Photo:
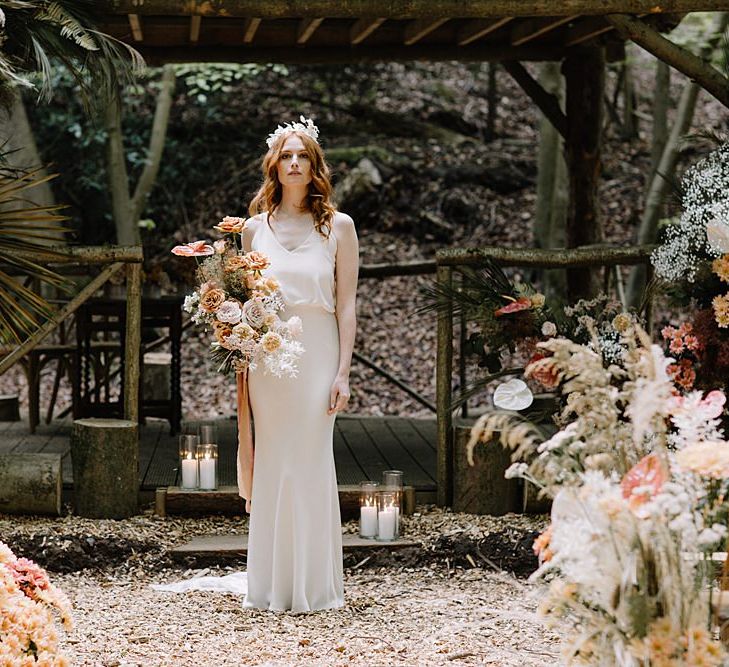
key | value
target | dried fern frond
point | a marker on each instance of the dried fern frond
(54, 13)
(515, 432)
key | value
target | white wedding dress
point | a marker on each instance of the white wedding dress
(295, 536)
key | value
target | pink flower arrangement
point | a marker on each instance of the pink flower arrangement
(194, 249)
(27, 597)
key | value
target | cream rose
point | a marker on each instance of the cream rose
(231, 225)
(212, 299)
(271, 341)
(537, 300)
(229, 312)
(254, 313)
(244, 331)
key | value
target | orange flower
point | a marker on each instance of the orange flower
(222, 331)
(256, 261)
(210, 301)
(194, 249)
(541, 545)
(546, 374)
(231, 225)
(236, 263)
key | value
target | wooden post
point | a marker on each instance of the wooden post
(133, 342)
(584, 71)
(104, 454)
(444, 366)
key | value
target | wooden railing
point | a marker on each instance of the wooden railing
(113, 259)
(452, 260)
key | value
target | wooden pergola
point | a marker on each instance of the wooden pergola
(581, 34)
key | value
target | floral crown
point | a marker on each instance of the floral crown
(306, 125)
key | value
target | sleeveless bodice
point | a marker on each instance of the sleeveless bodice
(306, 273)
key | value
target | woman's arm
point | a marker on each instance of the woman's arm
(347, 270)
(248, 231)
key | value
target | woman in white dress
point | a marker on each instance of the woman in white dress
(295, 538)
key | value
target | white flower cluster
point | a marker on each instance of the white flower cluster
(306, 126)
(705, 203)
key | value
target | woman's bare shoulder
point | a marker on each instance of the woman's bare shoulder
(342, 222)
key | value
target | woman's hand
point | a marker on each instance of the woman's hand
(338, 395)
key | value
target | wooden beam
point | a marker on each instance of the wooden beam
(586, 30)
(249, 29)
(84, 255)
(478, 52)
(531, 29)
(477, 29)
(695, 68)
(71, 307)
(443, 391)
(306, 29)
(195, 22)
(548, 103)
(416, 30)
(547, 258)
(402, 9)
(133, 342)
(363, 28)
(136, 26)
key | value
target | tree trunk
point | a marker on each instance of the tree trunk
(128, 208)
(584, 71)
(105, 455)
(629, 126)
(551, 211)
(30, 484)
(661, 102)
(667, 167)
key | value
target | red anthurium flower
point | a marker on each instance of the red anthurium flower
(522, 303)
(194, 249)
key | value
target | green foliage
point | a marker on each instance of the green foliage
(65, 31)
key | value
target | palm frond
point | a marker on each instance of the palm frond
(25, 229)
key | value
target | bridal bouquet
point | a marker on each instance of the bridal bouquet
(241, 305)
(27, 632)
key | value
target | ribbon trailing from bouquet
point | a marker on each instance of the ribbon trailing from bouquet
(244, 459)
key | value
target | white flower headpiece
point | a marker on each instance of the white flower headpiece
(306, 125)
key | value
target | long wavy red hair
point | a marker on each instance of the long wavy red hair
(319, 195)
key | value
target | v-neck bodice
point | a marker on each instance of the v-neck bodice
(306, 273)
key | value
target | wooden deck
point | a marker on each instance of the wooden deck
(363, 448)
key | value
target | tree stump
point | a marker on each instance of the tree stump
(482, 488)
(105, 455)
(30, 484)
(9, 408)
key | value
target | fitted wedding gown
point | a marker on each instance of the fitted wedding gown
(295, 536)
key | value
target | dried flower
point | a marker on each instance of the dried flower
(622, 322)
(212, 299)
(537, 300)
(709, 459)
(721, 310)
(549, 329)
(720, 266)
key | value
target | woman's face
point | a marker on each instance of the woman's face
(294, 163)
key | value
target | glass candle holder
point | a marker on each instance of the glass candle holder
(368, 509)
(207, 459)
(392, 481)
(188, 462)
(208, 434)
(387, 516)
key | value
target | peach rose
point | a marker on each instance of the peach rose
(212, 299)
(256, 261)
(222, 332)
(231, 225)
(236, 263)
(244, 331)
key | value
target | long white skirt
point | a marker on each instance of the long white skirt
(295, 533)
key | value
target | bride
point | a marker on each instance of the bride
(295, 537)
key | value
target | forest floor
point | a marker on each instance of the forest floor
(460, 597)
